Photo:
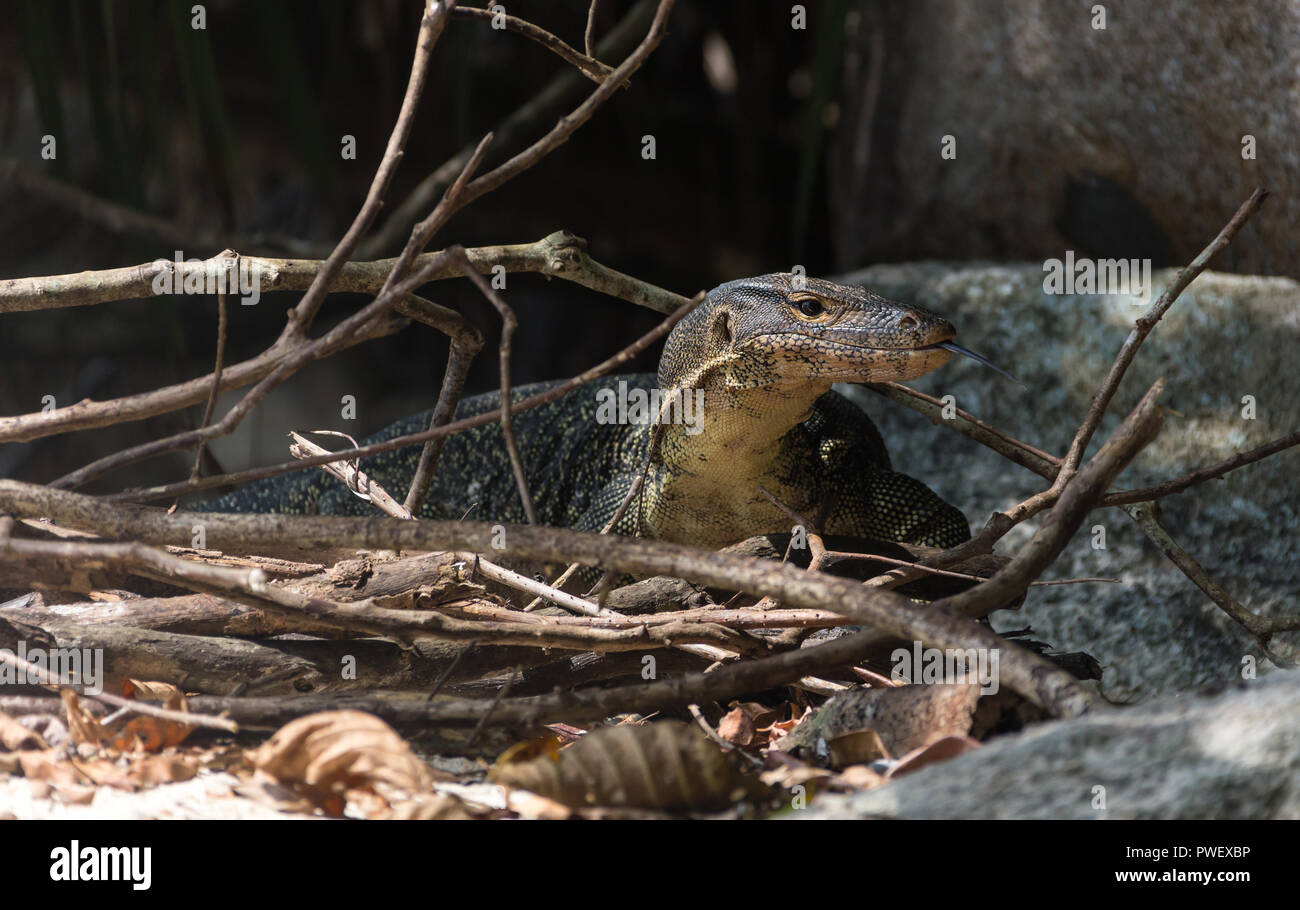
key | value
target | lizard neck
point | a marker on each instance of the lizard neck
(737, 445)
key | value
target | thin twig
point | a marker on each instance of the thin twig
(1200, 475)
(586, 64)
(589, 34)
(508, 325)
(1263, 628)
(216, 381)
(431, 27)
(49, 680)
(488, 417)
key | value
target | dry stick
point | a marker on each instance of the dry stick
(380, 498)
(216, 381)
(591, 68)
(1022, 453)
(741, 618)
(567, 125)
(92, 414)
(730, 681)
(356, 480)
(530, 118)
(557, 255)
(1000, 523)
(637, 483)
(351, 474)
(1034, 677)
(461, 352)
(1141, 329)
(1200, 475)
(496, 702)
(508, 325)
(431, 27)
(293, 360)
(460, 355)
(251, 587)
(1263, 628)
(842, 555)
(45, 678)
(301, 316)
(589, 34)
(1080, 496)
(467, 423)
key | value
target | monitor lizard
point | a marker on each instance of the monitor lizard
(764, 353)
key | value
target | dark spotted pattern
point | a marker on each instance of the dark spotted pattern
(765, 353)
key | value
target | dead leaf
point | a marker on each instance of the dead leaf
(164, 769)
(14, 736)
(84, 726)
(938, 751)
(737, 727)
(667, 765)
(323, 755)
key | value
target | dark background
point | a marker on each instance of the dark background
(791, 147)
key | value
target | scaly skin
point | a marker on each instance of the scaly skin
(765, 353)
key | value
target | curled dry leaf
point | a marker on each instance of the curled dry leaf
(152, 734)
(737, 727)
(333, 751)
(937, 751)
(667, 765)
(14, 736)
(84, 726)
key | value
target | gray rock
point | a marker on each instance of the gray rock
(1125, 140)
(1227, 337)
(1234, 755)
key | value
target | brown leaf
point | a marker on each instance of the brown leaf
(667, 765)
(737, 727)
(164, 769)
(14, 736)
(155, 733)
(140, 690)
(937, 751)
(84, 726)
(49, 766)
(327, 753)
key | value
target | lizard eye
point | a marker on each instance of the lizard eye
(811, 307)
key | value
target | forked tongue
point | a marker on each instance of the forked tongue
(958, 349)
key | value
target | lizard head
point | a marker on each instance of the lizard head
(783, 330)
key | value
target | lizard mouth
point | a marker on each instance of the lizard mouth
(958, 349)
